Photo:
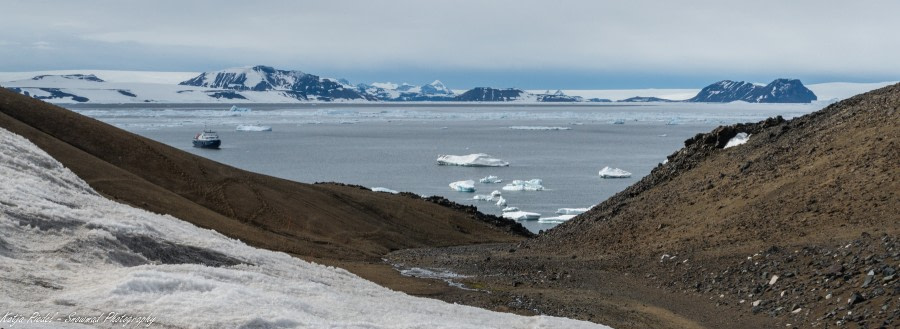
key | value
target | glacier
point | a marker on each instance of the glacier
(471, 160)
(65, 248)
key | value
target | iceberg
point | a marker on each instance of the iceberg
(510, 209)
(471, 160)
(557, 219)
(253, 128)
(463, 186)
(529, 185)
(538, 128)
(738, 139)
(490, 180)
(608, 172)
(501, 202)
(234, 108)
(483, 197)
(495, 194)
(385, 190)
(571, 211)
(521, 215)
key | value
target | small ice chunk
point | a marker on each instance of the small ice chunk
(234, 108)
(384, 189)
(510, 209)
(521, 215)
(557, 219)
(483, 197)
(619, 122)
(521, 185)
(471, 160)
(253, 128)
(490, 180)
(495, 194)
(608, 172)
(571, 211)
(463, 186)
(738, 139)
(501, 202)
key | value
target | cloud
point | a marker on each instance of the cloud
(640, 37)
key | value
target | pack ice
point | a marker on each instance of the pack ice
(471, 160)
(608, 172)
(64, 248)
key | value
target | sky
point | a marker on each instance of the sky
(526, 44)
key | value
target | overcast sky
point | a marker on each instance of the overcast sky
(525, 44)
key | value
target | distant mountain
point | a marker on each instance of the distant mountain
(386, 91)
(599, 100)
(85, 77)
(558, 96)
(297, 84)
(640, 99)
(778, 91)
(487, 94)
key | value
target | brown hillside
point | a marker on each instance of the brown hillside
(800, 226)
(327, 221)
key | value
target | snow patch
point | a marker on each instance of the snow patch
(738, 139)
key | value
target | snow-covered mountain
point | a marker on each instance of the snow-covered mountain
(778, 91)
(297, 84)
(67, 250)
(558, 96)
(387, 91)
(487, 94)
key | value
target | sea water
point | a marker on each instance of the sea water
(396, 145)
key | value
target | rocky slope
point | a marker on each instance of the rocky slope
(799, 226)
(778, 91)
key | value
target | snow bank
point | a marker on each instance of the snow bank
(471, 160)
(253, 128)
(463, 186)
(571, 211)
(521, 215)
(608, 172)
(738, 139)
(522, 185)
(490, 180)
(64, 248)
(385, 190)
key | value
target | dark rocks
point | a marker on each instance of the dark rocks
(778, 91)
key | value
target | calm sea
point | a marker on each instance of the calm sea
(395, 146)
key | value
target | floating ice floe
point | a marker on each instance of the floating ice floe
(619, 122)
(483, 197)
(522, 185)
(471, 160)
(463, 186)
(571, 211)
(557, 219)
(234, 108)
(490, 180)
(538, 128)
(510, 209)
(384, 189)
(521, 215)
(608, 172)
(501, 202)
(253, 128)
(495, 194)
(738, 139)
